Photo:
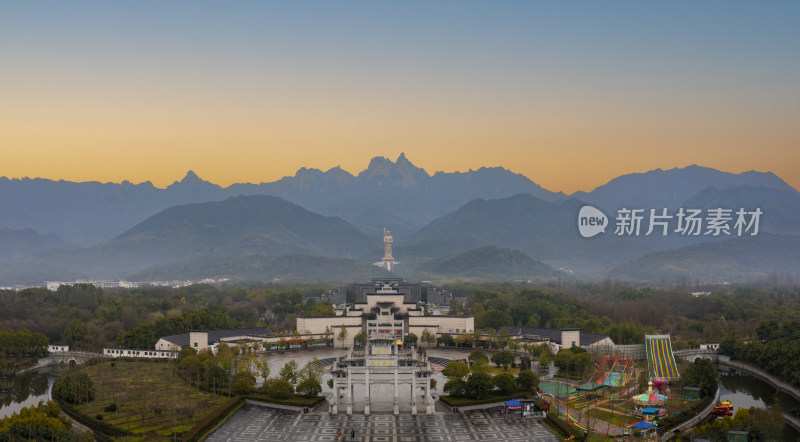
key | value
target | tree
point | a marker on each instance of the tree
(263, 369)
(479, 384)
(455, 387)
(505, 383)
(75, 334)
(504, 359)
(456, 370)
(477, 356)
(476, 337)
(289, 372)
(514, 344)
(243, 382)
(75, 387)
(428, 337)
(342, 335)
(528, 380)
(445, 340)
(545, 357)
(327, 335)
(322, 309)
(502, 338)
(186, 351)
(215, 377)
(313, 370)
(278, 388)
(360, 338)
(411, 339)
(701, 374)
(309, 388)
(497, 319)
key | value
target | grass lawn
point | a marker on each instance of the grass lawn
(152, 401)
(494, 371)
(619, 416)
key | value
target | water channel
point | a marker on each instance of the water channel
(25, 390)
(745, 391)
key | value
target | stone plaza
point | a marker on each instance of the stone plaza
(257, 423)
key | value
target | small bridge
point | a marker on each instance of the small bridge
(695, 354)
(63, 359)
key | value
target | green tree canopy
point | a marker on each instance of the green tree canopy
(504, 359)
(289, 372)
(528, 380)
(456, 370)
(479, 384)
(505, 383)
(701, 374)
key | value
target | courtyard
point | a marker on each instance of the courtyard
(254, 422)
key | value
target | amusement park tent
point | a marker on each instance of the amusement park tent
(642, 425)
(650, 410)
(513, 404)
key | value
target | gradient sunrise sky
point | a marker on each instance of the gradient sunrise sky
(569, 93)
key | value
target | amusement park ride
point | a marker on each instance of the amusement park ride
(611, 402)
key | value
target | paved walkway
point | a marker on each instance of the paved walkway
(255, 423)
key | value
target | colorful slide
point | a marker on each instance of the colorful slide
(613, 380)
(660, 360)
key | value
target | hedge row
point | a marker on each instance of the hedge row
(457, 401)
(102, 431)
(294, 401)
(566, 429)
(212, 419)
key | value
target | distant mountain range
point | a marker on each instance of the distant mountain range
(490, 223)
(731, 260)
(488, 262)
(395, 194)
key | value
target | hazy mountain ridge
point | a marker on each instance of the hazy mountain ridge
(395, 194)
(15, 244)
(252, 268)
(733, 260)
(670, 188)
(488, 262)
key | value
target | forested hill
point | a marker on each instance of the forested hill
(488, 262)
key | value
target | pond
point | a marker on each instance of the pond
(25, 390)
(745, 391)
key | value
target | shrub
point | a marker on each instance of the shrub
(528, 379)
(278, 388)
(505, 383)
(99, 417)
(455, 387)
(309, 388)
(110, 408)
(243, 382)
(74, 387)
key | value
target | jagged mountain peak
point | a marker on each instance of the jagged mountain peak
(191, 177)
(382, 171)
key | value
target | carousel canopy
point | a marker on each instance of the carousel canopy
(649, 399)
(642, 425)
